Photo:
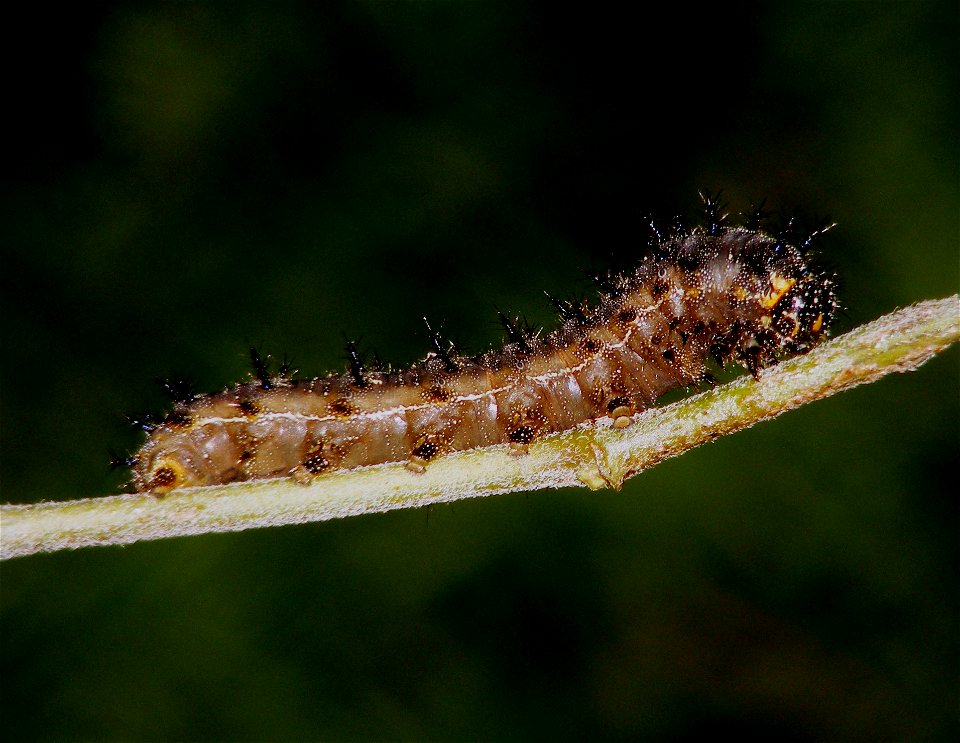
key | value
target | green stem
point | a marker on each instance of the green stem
(594, 455)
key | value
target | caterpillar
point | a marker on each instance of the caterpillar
(731, 293)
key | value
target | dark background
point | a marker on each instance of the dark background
(182, 180)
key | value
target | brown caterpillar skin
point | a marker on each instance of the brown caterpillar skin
(730, 293)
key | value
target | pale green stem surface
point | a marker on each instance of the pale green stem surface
(595, 455)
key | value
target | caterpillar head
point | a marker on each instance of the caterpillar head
(799, 310)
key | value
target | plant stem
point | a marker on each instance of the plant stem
(595, 455)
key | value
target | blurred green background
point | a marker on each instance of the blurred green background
(184, 180)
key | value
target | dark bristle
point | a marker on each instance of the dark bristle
(606, 282)
(822, 225)
(800, 230)
(260, 369)
(667, 227)
(677, 228)
(516, 333)
(177, 389)
(757, 216)
(713, 213)
(656, 231)
(177, 417)
(665, 234)
(119, 461)
(560, 306)
(656, 239)
(286, 370)
(444, 350)
(785, 233)
(146, 422)
(357, 370)
(569, 310)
